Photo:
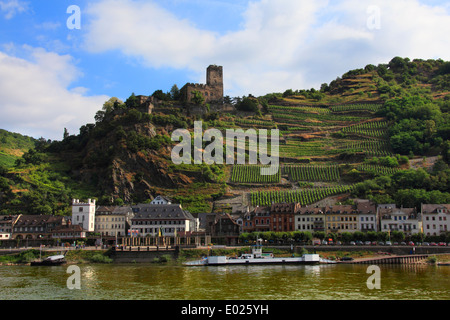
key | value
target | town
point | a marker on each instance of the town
(161, 222)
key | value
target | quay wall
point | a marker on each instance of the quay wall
(395, 250)
(143, 255)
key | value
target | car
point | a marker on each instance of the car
(367, 243)
(352, 243)
(403, 243)
(388, 243)
(442, 244)
(433, 244)
(359, 243)
(395, 243)
(410, 243)
(425, 243)
(324, 242)
(381, 243)
(374, 243)
(339, 243)
(346, 259)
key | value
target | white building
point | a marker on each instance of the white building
(113, 221)
(83, 214)
(367, 216)
(310, 219)
(164, 219)
(406, 220)
(435, 219)
(161, 200)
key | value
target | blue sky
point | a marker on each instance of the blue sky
(52, 77)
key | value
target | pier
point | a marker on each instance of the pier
(407, 259)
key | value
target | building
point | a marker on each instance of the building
(6, 226)
(34, 227)
(213, 89)
(282, 216)
(225, 229)
(257, 220)
(341, 218)
(69, 232)
(113, 221)
(161, 200)
(367, 216)
(310, 219)
(406, 220)
(435, 219)
(83, 214)
(162, 219)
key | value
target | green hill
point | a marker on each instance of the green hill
(355, 135)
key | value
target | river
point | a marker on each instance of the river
(174, 282)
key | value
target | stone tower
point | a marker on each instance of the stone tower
(214, 80)
(212, 90)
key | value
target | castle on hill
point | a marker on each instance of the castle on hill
(212, 91)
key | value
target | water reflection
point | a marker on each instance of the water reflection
(149, 281)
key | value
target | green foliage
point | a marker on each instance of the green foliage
(197, 97)
(248, 104)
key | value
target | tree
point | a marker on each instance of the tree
(66, 134)
(197, 97)
(175, 92)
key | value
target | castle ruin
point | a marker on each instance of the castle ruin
(212, 91)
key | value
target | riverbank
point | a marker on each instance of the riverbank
(83, 256)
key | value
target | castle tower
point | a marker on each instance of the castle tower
(83, 214)
(214, 79)
(212, 90)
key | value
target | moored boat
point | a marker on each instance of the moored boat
(257, 257)
(54, 260)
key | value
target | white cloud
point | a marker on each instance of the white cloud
(282, 44)
(36, 99)
(11, 7)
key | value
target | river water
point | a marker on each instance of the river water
(168, 282)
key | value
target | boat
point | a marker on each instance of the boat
(257, 257)
(54, 260)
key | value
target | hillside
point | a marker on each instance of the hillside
(355, 136)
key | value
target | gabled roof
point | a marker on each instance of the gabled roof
(161, 211)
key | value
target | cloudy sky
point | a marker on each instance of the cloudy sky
(60, 60)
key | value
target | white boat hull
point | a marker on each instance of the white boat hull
(223, 260)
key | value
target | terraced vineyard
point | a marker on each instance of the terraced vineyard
(310, 133)
(252, 174)
(302, 196)
(376, 169)
(373, 129)
(312, 173)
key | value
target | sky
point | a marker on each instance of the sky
(60, 60)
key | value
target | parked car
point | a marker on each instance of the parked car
(374, 243)
(388, 243)
(352, 243)
(367, 243)
(381, 243)
(433, 244)
(346, 259)
(425, 243)
(359, 243)
(403, 243)
(395, 244)
(324, 242)
(442, 244)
